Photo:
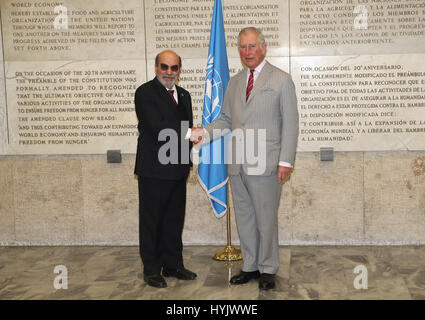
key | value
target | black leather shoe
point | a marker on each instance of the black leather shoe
(267, 281)
(155, 280)
(244, 277)
(182, 274)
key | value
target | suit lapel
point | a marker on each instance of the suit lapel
(180, 97)
(165, 96)
(261, 81)
(182, 102)
(242, 86)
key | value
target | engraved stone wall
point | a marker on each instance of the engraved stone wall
(69, 70)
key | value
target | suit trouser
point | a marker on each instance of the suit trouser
(256, 201)
(162, 205)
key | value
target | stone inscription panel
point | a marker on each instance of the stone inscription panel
(73, 107)
(363, 92)
(361, 103)
(346, 27)
(185, 25)
(72, 29)
(3, 109)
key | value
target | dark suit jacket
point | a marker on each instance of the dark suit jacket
(157, 111)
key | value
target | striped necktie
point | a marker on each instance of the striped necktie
(250, 84)
(171, 92)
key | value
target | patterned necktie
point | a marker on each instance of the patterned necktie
(250, 84)
(171, 92)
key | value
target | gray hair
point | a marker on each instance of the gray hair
(256, 31)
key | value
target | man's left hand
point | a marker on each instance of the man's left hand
(283, 173)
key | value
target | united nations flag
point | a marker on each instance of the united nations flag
(212, 170)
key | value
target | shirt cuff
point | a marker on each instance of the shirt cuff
(285, 164)
(189, 132)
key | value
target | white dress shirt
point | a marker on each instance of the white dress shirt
(256, 72)
(174, 93)
(176, 97)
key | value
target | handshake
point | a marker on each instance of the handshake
(197, 134)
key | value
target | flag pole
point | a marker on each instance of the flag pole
(213, 178)
(229, 253)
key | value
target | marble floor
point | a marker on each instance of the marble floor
(305, 272)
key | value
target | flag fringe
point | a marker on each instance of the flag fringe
(211, 197)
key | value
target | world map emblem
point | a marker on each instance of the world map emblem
(213, 93)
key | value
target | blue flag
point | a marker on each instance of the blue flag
(212, 170)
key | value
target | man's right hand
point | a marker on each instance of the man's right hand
(197, 134)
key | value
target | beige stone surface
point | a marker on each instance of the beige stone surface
(327, 199)
(185, 26)
(359, 198)
(282, 63)
(3, 108)
(48, 200)
(7, 210)
(394, 197)
(356, 27)
(305, 272)
(271, 16)
(97, 29)
(110, 200)
(362, 197)
(201, 226)
(95, 102)
(360, 103)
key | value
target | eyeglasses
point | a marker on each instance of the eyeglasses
(165, 67)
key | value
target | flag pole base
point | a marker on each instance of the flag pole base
(229, 253)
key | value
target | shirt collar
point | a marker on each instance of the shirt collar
(173, 88)
(260, 66)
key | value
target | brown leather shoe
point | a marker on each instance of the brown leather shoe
(267, 281)
(244, 277)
